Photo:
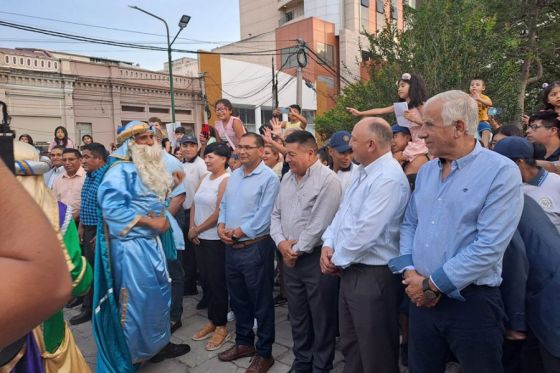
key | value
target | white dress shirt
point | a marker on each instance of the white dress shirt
(365, 229)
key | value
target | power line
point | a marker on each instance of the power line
(197, 41)
(269, 52)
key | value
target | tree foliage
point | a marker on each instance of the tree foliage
(449, 43)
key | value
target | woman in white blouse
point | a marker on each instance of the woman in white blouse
(211, 251)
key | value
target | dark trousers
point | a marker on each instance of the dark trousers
(312, 307)
(88, 251)
(189, 259)
(368, 313)
(250, 282)
(211, 258)
(175, 270)
(528, 356)
(471, 330)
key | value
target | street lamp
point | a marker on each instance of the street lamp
(183, 22)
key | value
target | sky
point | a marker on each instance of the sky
(213, 23)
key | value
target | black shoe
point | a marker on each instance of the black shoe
(280, 300)
(170, 351)
(203, 304)
(83, 317)
(74, 302)
(175, 326)
(187, 293)
(404, 354)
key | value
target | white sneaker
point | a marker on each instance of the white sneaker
(230, 316)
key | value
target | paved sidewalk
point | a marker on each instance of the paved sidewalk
(198, 359)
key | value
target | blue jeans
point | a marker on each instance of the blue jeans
(472, 330)
(250, 282)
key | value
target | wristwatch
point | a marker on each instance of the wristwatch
(429, 293)
(234, 238)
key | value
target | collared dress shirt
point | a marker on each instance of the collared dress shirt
(89, 206)
(456, 230)
(365, 230)
(53, 174)
(305, 208)
(248, 201)
(68, 189)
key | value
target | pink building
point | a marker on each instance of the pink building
(88, 95)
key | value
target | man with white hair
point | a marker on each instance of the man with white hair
(462, 215)
(132, 294)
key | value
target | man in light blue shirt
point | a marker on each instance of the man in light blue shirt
(462, 215)
(358, 244)
(244, 226)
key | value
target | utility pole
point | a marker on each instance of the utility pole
(274, 87)
(302, 62)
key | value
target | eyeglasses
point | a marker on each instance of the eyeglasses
(221, 109)
(535, 127)
(246, 147)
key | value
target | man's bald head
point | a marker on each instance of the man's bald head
(379, 129)
(371, 138)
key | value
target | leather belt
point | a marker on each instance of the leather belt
(242, 244)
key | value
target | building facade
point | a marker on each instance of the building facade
(88, 95)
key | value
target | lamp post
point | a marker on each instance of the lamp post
(183, 22)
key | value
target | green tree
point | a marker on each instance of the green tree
(448, 43)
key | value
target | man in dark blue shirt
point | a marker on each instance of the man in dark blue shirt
(94, 162)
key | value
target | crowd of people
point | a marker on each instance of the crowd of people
(431, 240)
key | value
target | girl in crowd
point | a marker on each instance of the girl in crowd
(203, 232)
(412, 90)
(27, 139)
(60, 138)
(166, 145)
(87, 139)
(229, 128)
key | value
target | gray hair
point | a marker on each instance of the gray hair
(457, 105)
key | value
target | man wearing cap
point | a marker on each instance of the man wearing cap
(132, 295)
(195, 170)
(539, 184)
(341, 154)
(462, 215)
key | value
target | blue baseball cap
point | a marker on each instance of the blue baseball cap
(400, 129)
(515, 147)
(188, 139)
(340, 140)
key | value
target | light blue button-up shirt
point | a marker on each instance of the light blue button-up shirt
(248, 201)
(365, 229)
(456, 230)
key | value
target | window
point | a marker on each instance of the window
(159, 110)
(288, 57)
(28, 62)
(7, 59)
(83, 129)
(365, 3)
(181, 111)
(266, 115)
(394, 9)
(309, 115)
(247, 115)
(137, 109)
(21, 61)
(56, 65)
(326, 52)
(380, 6)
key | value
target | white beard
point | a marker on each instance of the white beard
(149, 163)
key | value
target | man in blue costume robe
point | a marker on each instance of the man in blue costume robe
(132, 293)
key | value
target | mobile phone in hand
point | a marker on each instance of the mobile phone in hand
(206, 130)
